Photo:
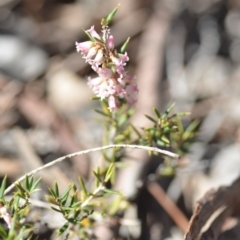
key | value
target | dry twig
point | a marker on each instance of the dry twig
(69, 156)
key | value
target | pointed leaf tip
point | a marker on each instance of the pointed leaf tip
(111, 15)
(124, 46)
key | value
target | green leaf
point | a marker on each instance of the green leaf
(90, 36)
(103, 22)
(76, 204)
(124, 46)
(73, 199)
(66, 194)
(190, 130)
(24, 232)
(111, 15)
(56, 190)
(157, 112)
(114, 206)
(109, 172)
(122, 120)
(83, 187)
(30, 182)
(95, 98)
(180, 126)
(161, 143)
(183, 114)
(166, 129)
(63, 229)
(167, 171)
(156, 133)
(3, 232)
(104, 105)
(56, 209)
(20, 188)
(98, 179)
(75, 215)
(16, 203)
(51, 199)
(119, 138)
(27, 183)
(52, 192)
(113, 69)
(165, 139)
(99, 40)
(193, 125)
(113, 176)
(122, 164)
(136, 131)
(3, 187)
(150, 118)
(35, 185)
(101, 112)
(110, 191)
(168, 111)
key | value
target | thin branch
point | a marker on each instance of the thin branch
(96, 191)
(170, 207)
(154, 149)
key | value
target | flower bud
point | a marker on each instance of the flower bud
(110, 43)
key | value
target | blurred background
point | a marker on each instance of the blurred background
(183, 51)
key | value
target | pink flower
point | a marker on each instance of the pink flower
(119, 61)
(110, 43)
(84, 47)
(99, 57)
(115, 60)
(131, 94)
(92, 52)
(104, 72)
(94, 83)
(112, 82)
(94, 33)
(123, 57)
(113, 103)
(89, 51)
(101, 85)
(5, 215)
(105, 35)
(131, 89)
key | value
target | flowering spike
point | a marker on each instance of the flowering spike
(112, 83)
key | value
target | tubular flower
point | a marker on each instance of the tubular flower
(84, 47)
(112, 83)
(94, 33)
(113, 103)
(5, 215)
